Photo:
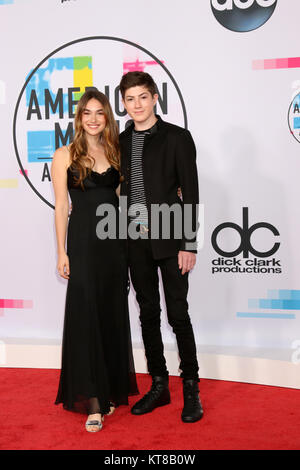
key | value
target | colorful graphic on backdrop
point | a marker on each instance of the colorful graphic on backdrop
(281, 299)
(8, 183)
(294, 108)
(281, 63)
(14, 303)
(39, 95)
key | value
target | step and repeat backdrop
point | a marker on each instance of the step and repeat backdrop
(229, 71)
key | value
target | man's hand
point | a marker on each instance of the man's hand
(186, 261)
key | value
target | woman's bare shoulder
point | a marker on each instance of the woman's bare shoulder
(62, 156)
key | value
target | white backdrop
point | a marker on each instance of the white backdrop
(242, 110)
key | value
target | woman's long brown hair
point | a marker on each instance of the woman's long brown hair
(80, 160)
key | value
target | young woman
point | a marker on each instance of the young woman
(97, 371)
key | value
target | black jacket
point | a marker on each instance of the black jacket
(169, 162)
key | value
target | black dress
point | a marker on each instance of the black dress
(97, 356)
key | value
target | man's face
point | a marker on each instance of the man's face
(139, 103)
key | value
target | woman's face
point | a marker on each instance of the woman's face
(93, 119)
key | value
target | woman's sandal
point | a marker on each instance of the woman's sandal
(94, 423)
(97, 422)
(112, 408)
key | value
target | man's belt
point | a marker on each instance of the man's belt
(143, 228)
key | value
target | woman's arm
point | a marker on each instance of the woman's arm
(59, 168)
(118, 190)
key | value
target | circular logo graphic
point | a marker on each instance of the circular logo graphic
(294, 117)
(44, 113)
(243, 15)
(245, 247)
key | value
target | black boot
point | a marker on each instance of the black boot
(159, 395)
(192, 410)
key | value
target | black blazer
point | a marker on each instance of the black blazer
(169, 162)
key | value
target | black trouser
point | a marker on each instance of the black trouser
(144, 277)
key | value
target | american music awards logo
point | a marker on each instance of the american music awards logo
(44, 112)
(252, 247)
(294, 117)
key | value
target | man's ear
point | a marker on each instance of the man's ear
(155, 97)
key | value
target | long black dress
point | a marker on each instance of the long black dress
(97, 356)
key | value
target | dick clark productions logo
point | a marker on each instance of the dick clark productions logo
(243, 15)
(44, 113)
(258, 264)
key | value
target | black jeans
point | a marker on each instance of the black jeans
(144, 277)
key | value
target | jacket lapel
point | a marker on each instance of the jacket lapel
(126, 144)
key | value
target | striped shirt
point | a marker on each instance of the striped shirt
(137, 190)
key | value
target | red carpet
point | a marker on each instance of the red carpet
(237, 416)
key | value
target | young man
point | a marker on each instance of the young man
(156, 159)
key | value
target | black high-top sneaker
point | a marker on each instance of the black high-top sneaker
(159, 395)
(192, 410)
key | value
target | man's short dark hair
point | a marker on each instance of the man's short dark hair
(131, 79)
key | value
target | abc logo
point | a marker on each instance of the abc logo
(243, 15)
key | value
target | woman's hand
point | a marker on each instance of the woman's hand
(63, 266)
